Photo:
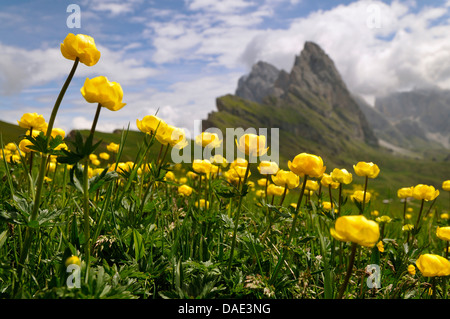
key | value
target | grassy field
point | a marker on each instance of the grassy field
(131, 233)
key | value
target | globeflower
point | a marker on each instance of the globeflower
(202, 203)
(307, 164)
(185, 190)
(113, 147)
(411, 270)
(369, 170)
(100, 90)
(425, 192)
(80, 46)
(431, 265)
(356, 229)
(252, 144)
(268, 168)
(32, 121)
(274, 190)
(150, 124)
(404, 192)
(201, 166)
(286, 179)
(327, 181)
(443, 233)
(341, 176)
(206, 139)
(73, 260)
(446, 185)
(359, 197)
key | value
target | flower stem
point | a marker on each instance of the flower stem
(236, 217)
(349, 271)
(40, 180)
(364, 196)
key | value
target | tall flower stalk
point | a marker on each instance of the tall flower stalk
(40, 180)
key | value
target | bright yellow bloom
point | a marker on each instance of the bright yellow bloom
(219, 159)
(101, 90)
(185, 190)
(191, 175)
(307, 164)
(262, 181)
(326, 206)
(443, 233)
(405, 192)
(311, 185)
(80, 46)
(56, 131)
(407, 227)
(374, 213)
(252, 144)
(383, 219)
(242, 162)
(326, 181)
(113, 147)
(104, 156)
(356, 229)
(426, 192)
(411, 270)
(73, 260)
(201, 166)
(445, 216)
(150, 124)
(341, 176)
(286, 179)
(206, 139)
(370, 170)
(275, 190)
(431, 265)
(32, 120)
(359, 196)
(174, 136)
(23, 146)
(202, 203)
(446, 185)
(268, 168)
(380, 246)
(170, 176)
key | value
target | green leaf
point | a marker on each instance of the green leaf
(3, 237)
(138, 244)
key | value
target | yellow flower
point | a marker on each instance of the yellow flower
(201, 166)
(431, 265)
(113, 147)
(191, 175)
(405, 192)
(23, 146)
(341, 176)
(185, 190)
(445, 216)
(218, 159)
(202, 204)
(370, 170)
(383, 219)
(425, 192)
(104, 156)
(262, 181)
(326, 181)
(150, 124)
(359, 196)
(326, 206)
(307, 164)
(242, 162)
(80, 46)
(101, 90)
(275, 190)
(285, 179)
(374, 213)
(443, 233)
(32, 120)
(268, 168)
(356, 229)
(446, 185)
(380, 246)
(73, 260)
(412, 270)
(252, 144)
(170, 176)
(206, 139)
(174, 136)
(407, 227)
(311, 185)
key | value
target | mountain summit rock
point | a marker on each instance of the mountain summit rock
(311, 106)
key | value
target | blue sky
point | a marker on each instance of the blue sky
(179, 55)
